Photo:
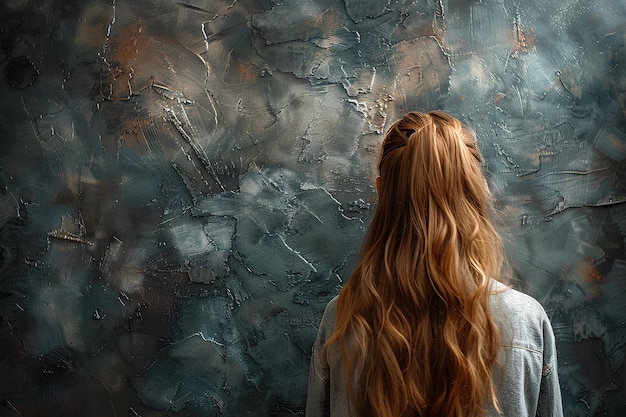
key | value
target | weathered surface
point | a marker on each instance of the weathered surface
(184, 185)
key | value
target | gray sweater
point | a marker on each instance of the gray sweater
(526, 386)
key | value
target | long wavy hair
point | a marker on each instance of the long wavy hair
(413, 322)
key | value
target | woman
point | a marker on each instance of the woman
(422, 328)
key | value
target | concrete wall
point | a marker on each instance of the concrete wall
(184, 185)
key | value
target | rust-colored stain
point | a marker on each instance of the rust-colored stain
(498, 97)
(592, 278)
(247, 71)
(126, 43)
(124, 46)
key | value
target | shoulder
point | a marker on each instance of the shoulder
(331, 307)
(514, 302)
(521, 317)
(327, 324)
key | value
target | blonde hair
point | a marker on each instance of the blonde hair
(413, 322)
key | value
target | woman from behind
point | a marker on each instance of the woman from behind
(423, 327)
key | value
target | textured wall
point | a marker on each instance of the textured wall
(184, 185)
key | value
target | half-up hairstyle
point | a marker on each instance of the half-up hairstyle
(413, 322)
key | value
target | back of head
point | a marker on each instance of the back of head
(434, 202)
(413, 322)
